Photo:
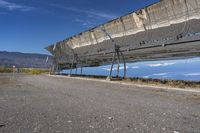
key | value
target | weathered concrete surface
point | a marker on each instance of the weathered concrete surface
(48, 104)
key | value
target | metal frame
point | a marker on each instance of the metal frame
(117, 52)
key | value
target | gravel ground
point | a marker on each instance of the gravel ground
(34, 104)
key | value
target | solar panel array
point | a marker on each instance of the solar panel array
(167, 29)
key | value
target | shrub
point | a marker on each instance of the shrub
(33, 71)
(6, 70)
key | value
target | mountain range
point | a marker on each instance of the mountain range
(24, 60)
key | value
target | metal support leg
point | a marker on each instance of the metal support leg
(81, 69)
(52, 69)
(124, 64)
(76, 69)
(118, 53)
(111, 68)
(72, 66)
(78, 61)
(118, 65)
(117, 50)
(54, 65)
(76, 57)
(56, 68)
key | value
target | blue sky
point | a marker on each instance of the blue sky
(30, 25)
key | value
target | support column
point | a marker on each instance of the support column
(72, 65)
(81, 69)
(76, 69)
(111, 68)
(117, 52)
(124, 64)
(118, 64)
(54, 66)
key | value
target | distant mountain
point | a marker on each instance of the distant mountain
(24, 60)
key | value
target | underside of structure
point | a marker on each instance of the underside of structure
(165, 30)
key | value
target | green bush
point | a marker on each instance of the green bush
(37, 71)
(6, 70)
(33, 71)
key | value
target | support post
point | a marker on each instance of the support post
(118, 52)
(118, 61)
(111, 68)
(124, 64)
(53, 68)
(75, 58)
(72, 65)
(81, 69)
(76, 69)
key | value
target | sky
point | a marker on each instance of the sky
(30, 25)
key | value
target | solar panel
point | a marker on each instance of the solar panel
(167, 29)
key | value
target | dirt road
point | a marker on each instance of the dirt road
(34, 104)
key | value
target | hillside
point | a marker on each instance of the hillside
(25, 60)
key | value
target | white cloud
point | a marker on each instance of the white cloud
(162, 64)
(87, 23)
(192, 74)
(90, 13)
(13, 6)
(192, 60)
(114, 68)
(87, 17)
(135, 67)
(121, 68)
(160, 74)
(145, 77)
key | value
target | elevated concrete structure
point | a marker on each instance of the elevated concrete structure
(167, 29)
